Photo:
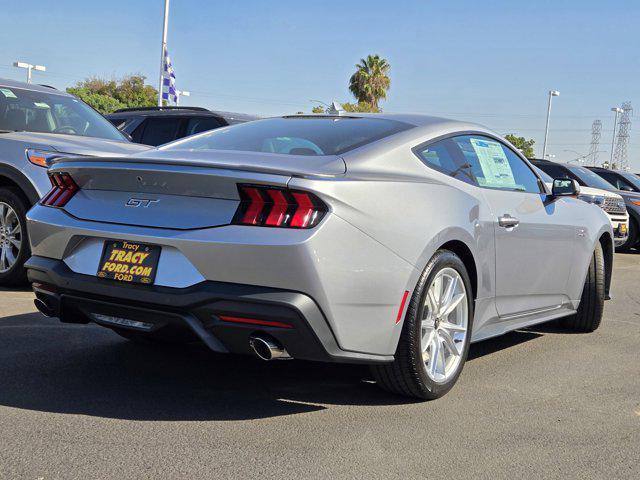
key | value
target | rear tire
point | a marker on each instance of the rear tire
(13, 230)
(589, 315)
(408, 375)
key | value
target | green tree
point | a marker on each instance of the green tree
(360, 107)
(107, 96)
(522, 144)
(318, 109)
(370, 82)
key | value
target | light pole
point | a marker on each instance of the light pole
(165, 27)
(552, 93)
(30, 68)
(181, 93)
(618, 111)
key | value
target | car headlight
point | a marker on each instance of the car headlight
(43, 158)
(595, 199)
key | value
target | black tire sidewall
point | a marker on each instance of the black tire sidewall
(442, 259)
(17, 276)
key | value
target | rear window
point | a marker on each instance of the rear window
(295, 135)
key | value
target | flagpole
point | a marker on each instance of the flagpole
(164, 46)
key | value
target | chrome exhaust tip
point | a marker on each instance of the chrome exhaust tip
(266, 348)
(43, 308)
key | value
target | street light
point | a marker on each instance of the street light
(181, 93)
(29, 67)
(552, 93)
(618, 111)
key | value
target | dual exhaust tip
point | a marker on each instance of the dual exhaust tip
(267, 348)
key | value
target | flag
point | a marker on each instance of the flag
(168, 80)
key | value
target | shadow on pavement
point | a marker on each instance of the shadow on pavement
(85, 369)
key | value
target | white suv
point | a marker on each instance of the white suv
(612, 203)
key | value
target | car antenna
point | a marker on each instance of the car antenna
(335, 109)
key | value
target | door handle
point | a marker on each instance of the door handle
(507, 221)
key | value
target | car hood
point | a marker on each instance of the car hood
(76, 144)
(598, 191)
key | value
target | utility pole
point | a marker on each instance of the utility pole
(622, 143)
(163, 50)
(29, 67)
(552, 93)
(596, 133)
(617, 111)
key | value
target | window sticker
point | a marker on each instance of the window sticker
(494, 164)
(7, 93)
(41, 105)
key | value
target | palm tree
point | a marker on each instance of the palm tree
(370, 82)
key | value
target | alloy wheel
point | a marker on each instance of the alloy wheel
(444, 325)
(10, 237)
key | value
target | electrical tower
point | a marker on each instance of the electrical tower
(596, 133)
(622, 142)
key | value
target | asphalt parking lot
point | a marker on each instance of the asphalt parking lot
(80, 402)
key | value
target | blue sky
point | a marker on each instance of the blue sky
(491, 62)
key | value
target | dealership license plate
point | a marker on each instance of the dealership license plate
(129, 262)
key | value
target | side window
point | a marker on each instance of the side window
(554, 171)
(494, 165)
(201, 124)
(613, 179)
(444, 156)
(160, 130)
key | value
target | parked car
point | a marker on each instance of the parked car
(627, 185)
(593, 189)
(390, 240)
(158, 125)
(38, 124)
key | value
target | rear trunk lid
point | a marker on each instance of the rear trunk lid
(174, 192)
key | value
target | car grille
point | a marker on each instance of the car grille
(614, 205)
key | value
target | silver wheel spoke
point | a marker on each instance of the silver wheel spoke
(452, 327)
(447, 296)
(3, 259)
(15, 243)
(450, 343)
(433, 356)
(16, 229)
(452, 304)
(2, 214)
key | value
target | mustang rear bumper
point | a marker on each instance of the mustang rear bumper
(77, 298)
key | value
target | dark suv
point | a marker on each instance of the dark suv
(159, 125)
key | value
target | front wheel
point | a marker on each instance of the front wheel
(14, 242)
(589, 314)
(435, 336)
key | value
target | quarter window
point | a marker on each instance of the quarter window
(480, 161)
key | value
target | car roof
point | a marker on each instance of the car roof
(5, 82)
(539, 161)
(179, 112)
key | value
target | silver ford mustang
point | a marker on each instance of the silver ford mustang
(390, 240)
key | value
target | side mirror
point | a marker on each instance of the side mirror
(565, 187)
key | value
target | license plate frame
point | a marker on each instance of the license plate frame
(129, 262)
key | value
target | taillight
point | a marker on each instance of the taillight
(263, 206)
(63, 188)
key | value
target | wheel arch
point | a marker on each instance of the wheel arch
(14, 178)
(607, 244)
(466, 255)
